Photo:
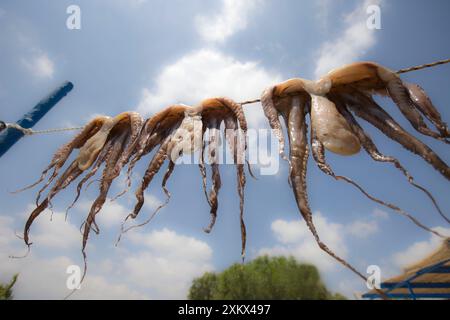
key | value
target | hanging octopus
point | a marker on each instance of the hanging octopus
(330, 102)
(104, 140)
(126, 138)
(162, 131)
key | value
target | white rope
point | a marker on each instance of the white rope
(29, 132)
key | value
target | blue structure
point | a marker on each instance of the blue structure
(10, 136)
(434, 277)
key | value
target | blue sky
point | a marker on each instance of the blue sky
(146, 54)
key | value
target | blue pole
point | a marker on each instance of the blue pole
(10, 136)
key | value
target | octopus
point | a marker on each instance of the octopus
(104, 140)
(179, 130)
(332, 103)
(126, 138)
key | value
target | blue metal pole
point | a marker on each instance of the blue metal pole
(10, 136)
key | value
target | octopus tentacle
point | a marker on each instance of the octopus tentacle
(152, 134)
(372, 78)
(423, 103)
(241, 188)
(166, 177)
(106, 181)
(202, 167)
(214, 127)
(63, 153)
(393, 207)
(367, 109)
(151, 142)
(135, 123)
(299, 159)
(153, 168)
(237, 111)
(100, 160)
(69, 175)
(61, 156)
(400, 95)
(318, 152)
(129, 147)
(231, 135)
(231, 128)
(272, 115)
(376, 155)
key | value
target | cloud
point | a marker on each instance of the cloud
(323, 12)
(39, 65)
(45, 278)
(233, 17)
(111, 215)
(362, 229)
(54, 232)
(5, 231)
(151, 202)
(353, 43)
(99, 288)
(380, 214)
(419, 250)
(168, 264)
(133, 4)
(207, 73)
(295, 239)
(161, 266)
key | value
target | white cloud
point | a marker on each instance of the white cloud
(151, 202)
(362, 229)
(419, 250)
(380, 214)
(54, 232)
(296, 239)
(233, 17)
(39, 64)
(46, 279)
(170, 243)
(99, 288)
(131, 4)
(50, 230)
(111, 215)
(168, 264)
(5, 231)
(41, 278)
(354, 41)
(162, 267)
(208, 73)
(323, 12)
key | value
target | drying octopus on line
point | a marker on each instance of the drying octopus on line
(104, 140)
(180, 130)
(126, 138)
(331, 103)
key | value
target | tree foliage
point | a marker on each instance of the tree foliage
(264, 278)
(6, 289)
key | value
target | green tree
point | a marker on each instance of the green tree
(6, 289)
(263, 278)
(203, 288)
